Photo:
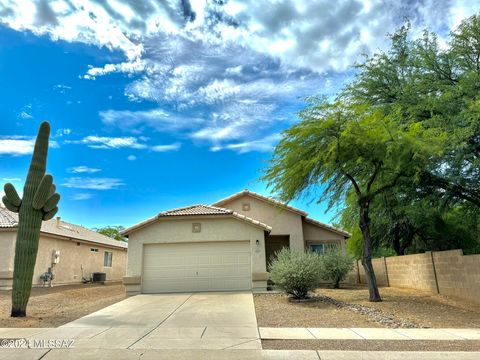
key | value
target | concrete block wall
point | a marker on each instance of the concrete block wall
(458, 275)
(378, 268)
(445, 272)
(409, 270)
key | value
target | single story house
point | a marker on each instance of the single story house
(71, 252)
(224, 246)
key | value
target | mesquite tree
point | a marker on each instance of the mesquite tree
(341, 148)
(39, 203)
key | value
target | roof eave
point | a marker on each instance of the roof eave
(159, 217)
(262, 198)
(328, 227)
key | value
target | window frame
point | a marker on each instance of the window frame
(326, 246)
(108, 259)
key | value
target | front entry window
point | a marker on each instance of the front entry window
(323, 248)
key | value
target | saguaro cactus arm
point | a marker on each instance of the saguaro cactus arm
(12, 195)
(9, 205)
(43, 190)
(49, 215)
(51, 203)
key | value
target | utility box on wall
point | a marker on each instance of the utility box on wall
(55, 256)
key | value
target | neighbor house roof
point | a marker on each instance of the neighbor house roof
(58, 227)
(196, 210)
(327, 227)
(260, 197)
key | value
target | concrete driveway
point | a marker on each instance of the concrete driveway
(222, 320)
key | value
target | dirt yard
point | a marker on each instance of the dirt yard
(373, 345)
(52, 307)
(420, 308)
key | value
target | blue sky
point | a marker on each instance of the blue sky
(156, 105)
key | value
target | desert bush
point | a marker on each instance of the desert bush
(335, 266)
(296, 272)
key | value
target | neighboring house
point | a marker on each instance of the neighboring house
(225, 246)
(77, 251)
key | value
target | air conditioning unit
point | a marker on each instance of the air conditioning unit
(55, 256)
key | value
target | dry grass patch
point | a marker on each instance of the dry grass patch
(421, 308)
(52, 307)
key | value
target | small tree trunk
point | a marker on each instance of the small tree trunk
(396, 240)
(367, 252)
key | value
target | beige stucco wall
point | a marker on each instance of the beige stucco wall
(179, 230)
(72, 257)
(7, 251)
(315, 234)
(282, 221)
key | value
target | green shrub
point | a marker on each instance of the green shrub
(296, 272)
(336, 265)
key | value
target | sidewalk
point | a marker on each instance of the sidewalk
(268, 333)
(124, 354)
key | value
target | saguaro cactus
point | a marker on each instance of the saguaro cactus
(39, 203)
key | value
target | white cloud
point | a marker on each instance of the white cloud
(131, 158)
(81, 196)
(263, 145)
(11, 179)
(62, 132)
(137, 121)
(61, 88)
(83, 169)
(166, 148)
(25, 115)
(318, 34)
(133, 67)
(105, 142)
(16, 145)
(93, 183)
(226, 71)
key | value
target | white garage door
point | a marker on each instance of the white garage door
(215, 266)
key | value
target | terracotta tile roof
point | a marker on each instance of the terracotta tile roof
(9, 219)
(196, 210)
(328, 227)
(260, 197)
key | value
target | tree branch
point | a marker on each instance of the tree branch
(354, 183)
(388, 186)
(374, 176)
(456, 190)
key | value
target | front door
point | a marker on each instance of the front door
(274, 243)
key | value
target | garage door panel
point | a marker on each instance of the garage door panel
(187, 267)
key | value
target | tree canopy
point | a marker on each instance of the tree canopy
(113, 231)
(400, 144)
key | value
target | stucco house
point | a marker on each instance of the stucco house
(70, 251)
(224, 246)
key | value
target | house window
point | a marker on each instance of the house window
(246, 207)
(323, 248)
(93, 249)
(107, 259)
